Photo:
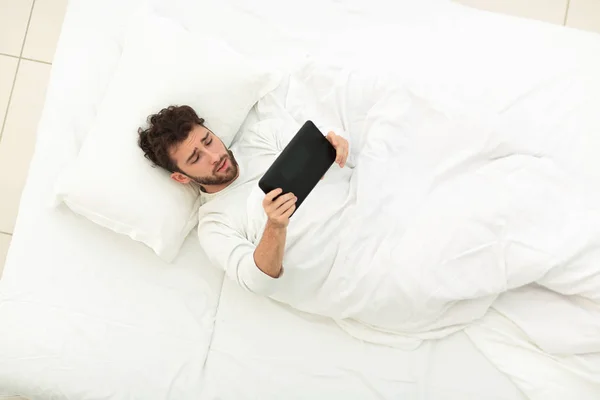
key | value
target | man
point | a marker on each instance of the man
(246, 234)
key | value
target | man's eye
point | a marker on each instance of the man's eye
(209, 142)
(196, 160)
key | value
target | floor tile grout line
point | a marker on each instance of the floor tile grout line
(27, 28)
(37, 61)
(8, 55)
(27, 59)
(567, 12)
(12, 88)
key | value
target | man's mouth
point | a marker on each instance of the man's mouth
(222, 166)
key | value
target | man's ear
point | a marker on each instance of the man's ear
(181, 178)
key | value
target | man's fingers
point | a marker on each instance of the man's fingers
(282, 199)
(342, 155)
(344, 158)
(341, 148)
(273, 193)
(332, 137)
(289, 211)
(286, 204)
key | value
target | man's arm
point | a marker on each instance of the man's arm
(268, 255)
(254, 268)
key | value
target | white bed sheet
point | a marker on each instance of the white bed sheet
(264, 350)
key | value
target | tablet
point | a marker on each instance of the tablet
(301, 164)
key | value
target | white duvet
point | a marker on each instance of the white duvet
(451, 208)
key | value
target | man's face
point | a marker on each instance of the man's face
(203, 158)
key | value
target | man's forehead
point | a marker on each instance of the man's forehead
(194, 137)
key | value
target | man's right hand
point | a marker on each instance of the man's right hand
(279, 210)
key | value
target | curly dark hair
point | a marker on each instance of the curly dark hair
(169, 127)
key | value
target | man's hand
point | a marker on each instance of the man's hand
(279, 210)
(341, 148)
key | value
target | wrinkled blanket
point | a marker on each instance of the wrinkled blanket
(454, 206)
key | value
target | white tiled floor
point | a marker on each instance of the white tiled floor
(14, 17)
(44, 28)
(8, 69)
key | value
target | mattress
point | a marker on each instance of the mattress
(87, 313)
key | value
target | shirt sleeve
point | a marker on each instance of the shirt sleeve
(228, 249)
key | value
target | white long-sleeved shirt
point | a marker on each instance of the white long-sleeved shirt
(232, 221)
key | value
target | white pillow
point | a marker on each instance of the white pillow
(110, 182)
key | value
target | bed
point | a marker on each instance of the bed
(90, 314)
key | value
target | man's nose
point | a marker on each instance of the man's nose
(214, 157)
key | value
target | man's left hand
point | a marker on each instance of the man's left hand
(341, 148)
